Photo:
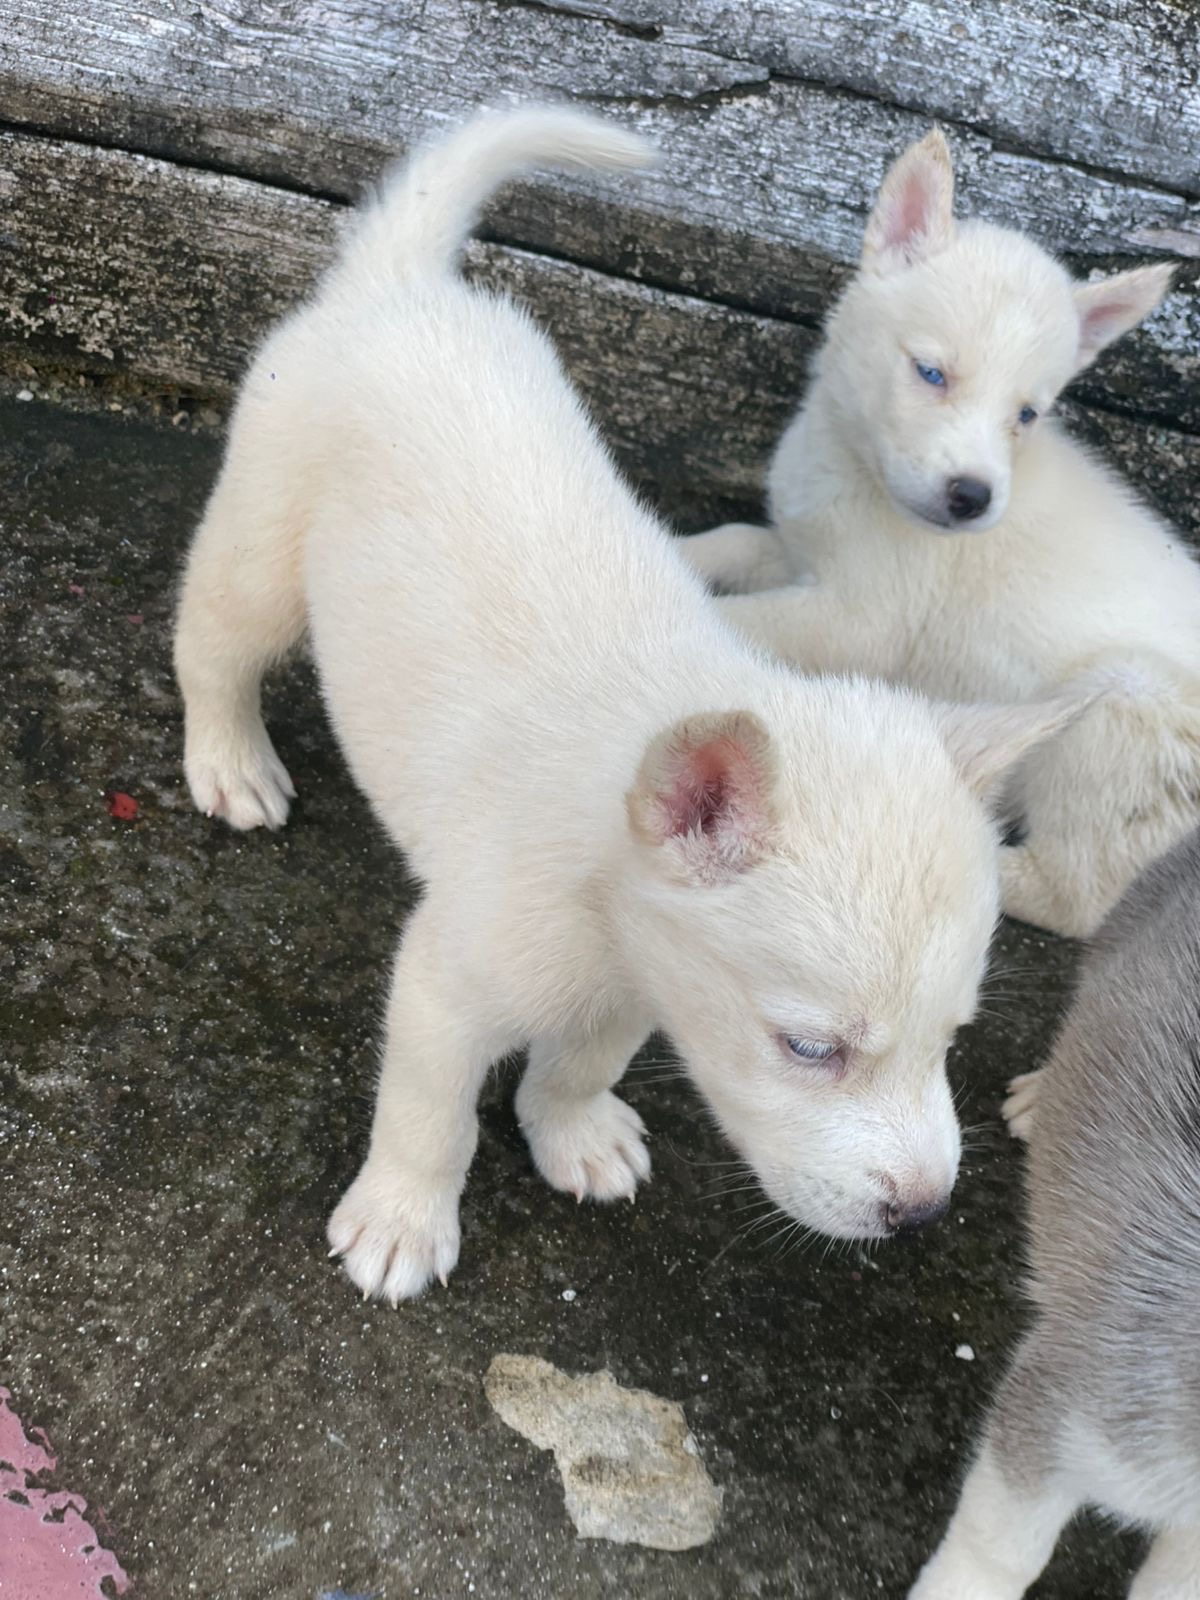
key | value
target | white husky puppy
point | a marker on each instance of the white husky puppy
(625, 818)
(1102, 1404)
(956, 540)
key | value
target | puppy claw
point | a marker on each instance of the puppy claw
(245, 785)
(592, 1150)
(1020, 1105)
(394, 1232)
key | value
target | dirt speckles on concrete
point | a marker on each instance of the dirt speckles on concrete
(187, 1052)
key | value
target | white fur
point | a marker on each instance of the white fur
(1000, 1538)
(1065, 577)
(1004, 1532)
(625, 818)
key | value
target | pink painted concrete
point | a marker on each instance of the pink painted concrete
(48, 1548)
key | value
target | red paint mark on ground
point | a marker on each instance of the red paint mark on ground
(48, 1548)
(121, 805)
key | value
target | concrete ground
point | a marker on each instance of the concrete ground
(189, 1028)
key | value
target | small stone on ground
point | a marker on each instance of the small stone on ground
(630, 1468)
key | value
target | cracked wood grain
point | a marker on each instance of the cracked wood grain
(1111, 84)
(768, 170)
(111, 261)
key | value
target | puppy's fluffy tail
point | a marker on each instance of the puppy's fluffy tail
(427, 207)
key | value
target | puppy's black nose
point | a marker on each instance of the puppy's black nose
(904, 1219)
(967, 498)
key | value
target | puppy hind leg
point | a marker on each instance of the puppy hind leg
(1101, 800)
(738, 557)
(1172, 1569)
(1002, 1535)
(583, 1139)
(242, 609)
(1017, 1498)
(1032, 891)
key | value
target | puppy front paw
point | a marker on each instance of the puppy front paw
(393, 1233)
(241, 781)
(957, 1573)
(940, 1582)
(1020, 1104)
(593, 1149)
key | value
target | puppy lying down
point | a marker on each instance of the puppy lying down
(1102, 1404)
(625, 817)
(961, 543)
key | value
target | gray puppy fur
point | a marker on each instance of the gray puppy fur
(1102, 1405)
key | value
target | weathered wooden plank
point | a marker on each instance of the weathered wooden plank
(762, 194)
(1162, 464)
(115, 261)
(1114, 84)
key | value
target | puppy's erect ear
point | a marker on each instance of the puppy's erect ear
(914, 215)
(706, 794)
(986, 741)
(1112, 306)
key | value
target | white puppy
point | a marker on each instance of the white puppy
(923, 427)
(625, 818)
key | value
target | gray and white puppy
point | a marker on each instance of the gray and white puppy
(1102, 1405)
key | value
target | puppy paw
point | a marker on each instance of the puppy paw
(1020, 1105)
(952, 1580)
(394, 1234)
(592, 1149)
(244, 783)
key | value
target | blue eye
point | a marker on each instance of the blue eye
(1027, 415)
(811, 1049)
(933, 375)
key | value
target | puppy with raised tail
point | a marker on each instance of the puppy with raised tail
(958, 541)
(624, 816)
(1102, 1405)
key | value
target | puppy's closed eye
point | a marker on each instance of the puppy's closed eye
(821, 1053)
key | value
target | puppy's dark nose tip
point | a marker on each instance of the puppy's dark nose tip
(968, 498)
(903, 1220)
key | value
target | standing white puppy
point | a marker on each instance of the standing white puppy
(957, 541)
(624, 817)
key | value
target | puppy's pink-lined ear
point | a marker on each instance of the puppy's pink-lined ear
(705, 793)
(1112, 306)
(987, 741)
(914, 215)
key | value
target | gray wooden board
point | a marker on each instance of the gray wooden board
(766, 176)
(112, 260)
(1111, 83)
